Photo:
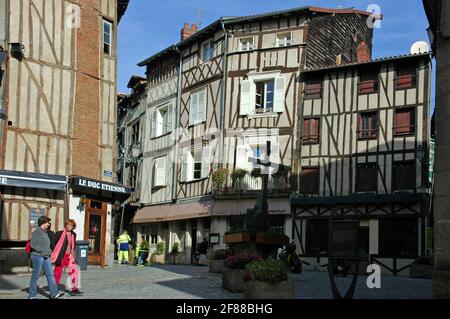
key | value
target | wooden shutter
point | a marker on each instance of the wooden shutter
(280, 93)
(311, 130)
(206, 161)
(246, 107)
(310, 181)
(404, 176)
(201, 108)
(313, 89)
(306, 130)
(169, 118)
(184, 165)
(154, 124)
(367, 176)
(160, 172)
(406, 75)
(193, 109)
(404, 121)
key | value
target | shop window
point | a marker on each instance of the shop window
(317, 237)
(366, 177)
(398, 237)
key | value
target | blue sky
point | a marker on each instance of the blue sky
(152, 25)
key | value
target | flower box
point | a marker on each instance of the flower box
(265, 290)
(233, 280)
(421, 271)
(234, 238)
(271, 239)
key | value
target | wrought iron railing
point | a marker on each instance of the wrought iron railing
(249, 184)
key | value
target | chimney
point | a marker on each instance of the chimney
(186, 32)
(363, 52)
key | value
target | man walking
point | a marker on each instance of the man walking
(40, 257)
(123, 242)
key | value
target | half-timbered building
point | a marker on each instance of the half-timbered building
(58, 140)
(364, 138)
(239, 88)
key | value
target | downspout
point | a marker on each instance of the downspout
(4, 93)
(177, 121)
(123, 174)
(222, 96)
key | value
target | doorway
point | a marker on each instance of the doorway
(95, 231)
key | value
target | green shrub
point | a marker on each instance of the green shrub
(256, 173)
(160, 248)
(267, 270)
(221, 254)
(238, 174)
(175, 248)
(219, 177)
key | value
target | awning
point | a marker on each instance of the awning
(99, 190)
(32, 180)
(207, 208)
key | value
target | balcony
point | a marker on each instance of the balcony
(250, 186)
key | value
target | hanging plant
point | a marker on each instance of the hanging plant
(256, 173)
(238, 174)
(283, 171)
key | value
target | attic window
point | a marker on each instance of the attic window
(368, 81)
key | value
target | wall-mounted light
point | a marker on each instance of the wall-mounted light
(82, 203)
(17, 50)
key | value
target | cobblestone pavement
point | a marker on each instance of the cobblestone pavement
(190, 282)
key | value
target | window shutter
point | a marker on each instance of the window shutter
(193, 109)
(246, 97)
(184, 166)
(315, 133)
(241, 157)
(206, 161)
(169, 118)
(201, 108)
(280, 92)
(154, 124)
(160, 172)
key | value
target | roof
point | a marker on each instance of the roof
(122, 6)
(135, 79)
(375, 61)
(239, 19)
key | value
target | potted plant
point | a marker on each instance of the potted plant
(175, 251)
(422, 268)
(256, 173)
(268, 279)
(234, 237)
(219, 177)
(234, 272)
(158, 256)
(237, 176)
(217, 260)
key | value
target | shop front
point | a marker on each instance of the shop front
(91, 203)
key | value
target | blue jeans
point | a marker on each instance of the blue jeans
(38, 264)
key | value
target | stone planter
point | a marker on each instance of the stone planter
(216, 266)
(266, 290)
(421, 271)
(271, 239)
(233, 280)
(157, 259)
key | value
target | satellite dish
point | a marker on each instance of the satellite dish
(420, 47)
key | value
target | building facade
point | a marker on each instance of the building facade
(58, 138)
(365, 136)
(231, 88)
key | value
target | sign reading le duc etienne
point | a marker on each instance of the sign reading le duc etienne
(101, 186)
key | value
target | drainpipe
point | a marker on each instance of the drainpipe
(222, 96)
(4, 92)
(123, 173)
(177, 121)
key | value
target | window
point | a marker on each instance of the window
(313, 89)
(264, 96)
(311, 131)
(196, 164)
(135, 133)
(197, 113)
(368, 125)
(107, 37)
(159, 179)
(405, 121)
(366, 177)
(284, 39)
(246, 44)
(154, 234)
(133, 176)
(398, 237)
(208, 51)
(162, 121)
(263, 93)
(404, 176)
(310, 181)
(317, 237)
(368, 81)
(406, 76)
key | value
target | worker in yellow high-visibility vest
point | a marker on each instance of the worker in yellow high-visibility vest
(123, 243)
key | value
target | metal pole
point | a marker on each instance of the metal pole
(123, 174)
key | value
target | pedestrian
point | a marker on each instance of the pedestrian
(63, 255)
(123, 243)
(40, 257)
